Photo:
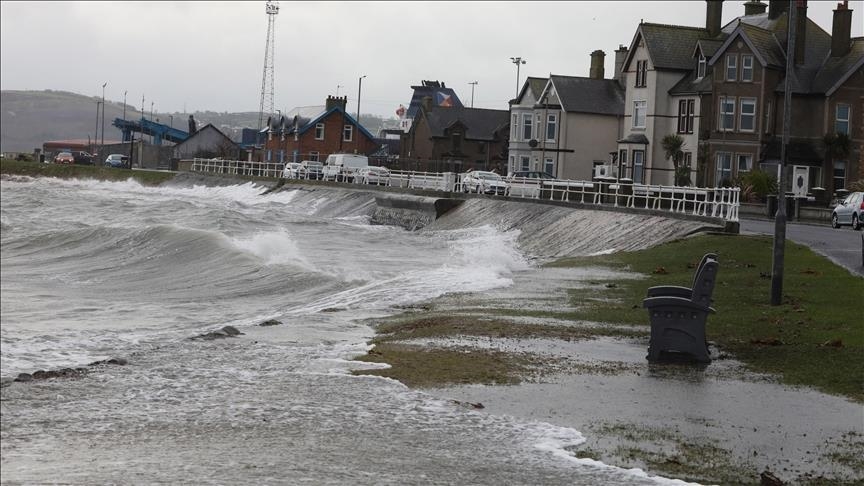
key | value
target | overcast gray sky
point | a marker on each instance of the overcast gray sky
(210, 55)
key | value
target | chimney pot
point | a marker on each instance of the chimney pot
(597, 70)
(754, 7)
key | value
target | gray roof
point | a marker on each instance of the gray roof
(534, 85)
(690, 85)
(671, 46)
(587, 95)
(836, 69)
(709, 46)
(635, 138)
(480, 124)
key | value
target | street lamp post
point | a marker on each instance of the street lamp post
(359, 89)
(103, 112)
(171, 117)
(96, 136)
(473, 84)
(518, 61)
(124, 104)
(151, 119)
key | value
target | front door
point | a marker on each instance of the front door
(800, 181)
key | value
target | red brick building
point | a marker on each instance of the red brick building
(314, 132)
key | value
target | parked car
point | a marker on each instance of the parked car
(526, 183)
(481, 181)
(64, 158)
(373, 175)
(314, 169)
(849, 212)
(294, 170)
(118, 161)
(82, 158)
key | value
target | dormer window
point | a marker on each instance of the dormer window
(700, 72)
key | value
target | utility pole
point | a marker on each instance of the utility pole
(103, 113)
(359, 89)
(518, 61)
(780, 218)
(473, 84)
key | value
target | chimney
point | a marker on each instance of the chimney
(754, 7)
(800, 31)
(427, 103)
(620, 55)
(841, 30)
(713, 16)
(334, 101)
(777, 7)
(598, 59)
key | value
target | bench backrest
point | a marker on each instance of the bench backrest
(705, 258)
(703, 287)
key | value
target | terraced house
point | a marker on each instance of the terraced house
(721, 89)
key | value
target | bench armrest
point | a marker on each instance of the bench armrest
(675, 303)
(670, 291)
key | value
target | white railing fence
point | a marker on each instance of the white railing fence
(716, 202)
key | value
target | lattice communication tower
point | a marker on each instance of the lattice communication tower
(268, 85)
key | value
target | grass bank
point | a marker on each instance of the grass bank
(814, 338)
(36, 169)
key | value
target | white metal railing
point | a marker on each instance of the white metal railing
(716, 202)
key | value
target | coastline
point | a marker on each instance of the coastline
(720, 424)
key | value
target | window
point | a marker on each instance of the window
(638, 164)
(724, 168)
(319, 131)
(281, 156)
(456, 138)
(841, 120)
(525, 162)
(551, 127)
(686, 116)
(526, 126)
(746, 67)
(839, 174)
(748, 115)
(622, 159)
(514, 126)
(731, 68)
(727, 114)
(688, 159)
(767, 127)
(511, 166)
(549, 166)
(641, 74)
(745, 162)
(639, 109)
(269, 155)
(313, 156)
(347, 133)
(703, 63)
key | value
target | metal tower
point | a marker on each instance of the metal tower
(268, 96)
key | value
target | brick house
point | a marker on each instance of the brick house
(721, 90)
(314, 132)
(466, 138)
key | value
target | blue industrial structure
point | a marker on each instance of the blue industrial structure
(157, 130)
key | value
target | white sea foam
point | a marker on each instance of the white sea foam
(274, 248)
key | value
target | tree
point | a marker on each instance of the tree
(673, 145)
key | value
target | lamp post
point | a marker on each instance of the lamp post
(473, 84)
(151, 119)
(517, 61)
(359, 89)
(103, 112)
(124, 104)
(96, 136)
(171, 117)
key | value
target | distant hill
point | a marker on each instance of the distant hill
(29, 118)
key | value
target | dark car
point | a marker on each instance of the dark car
(82, 158)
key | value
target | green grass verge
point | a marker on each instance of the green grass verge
(814, 338)
(36, 169)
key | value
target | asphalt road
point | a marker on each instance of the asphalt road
(842, 246)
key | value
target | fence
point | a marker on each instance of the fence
(717, 202)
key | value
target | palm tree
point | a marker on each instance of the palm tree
(673, 146)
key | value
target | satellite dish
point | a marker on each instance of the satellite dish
(532, 143)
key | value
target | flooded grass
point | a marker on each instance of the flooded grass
(36, 169)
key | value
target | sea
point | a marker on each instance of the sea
(95, 270)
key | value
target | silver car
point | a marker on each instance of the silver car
(483, 182)
(849, 212)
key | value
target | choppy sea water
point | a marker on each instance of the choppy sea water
(95, 270)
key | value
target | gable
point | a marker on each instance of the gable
(348, 120)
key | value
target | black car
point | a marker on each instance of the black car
(82, 158)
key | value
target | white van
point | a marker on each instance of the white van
(341, 167)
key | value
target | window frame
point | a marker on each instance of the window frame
(731, 64)
(641, 74)
(319, 131)
(686, 115)
(838, 120)
(752, 116)
(636, 104)
(841, 178)
(525, 162)
(721, 126)
(744, 68)
(348, 133)
(748, 164)
(549, 166)
(702, 66)
(529, 118)
(718, 179)
(514, 127)
(551, 123)
(640, 165)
